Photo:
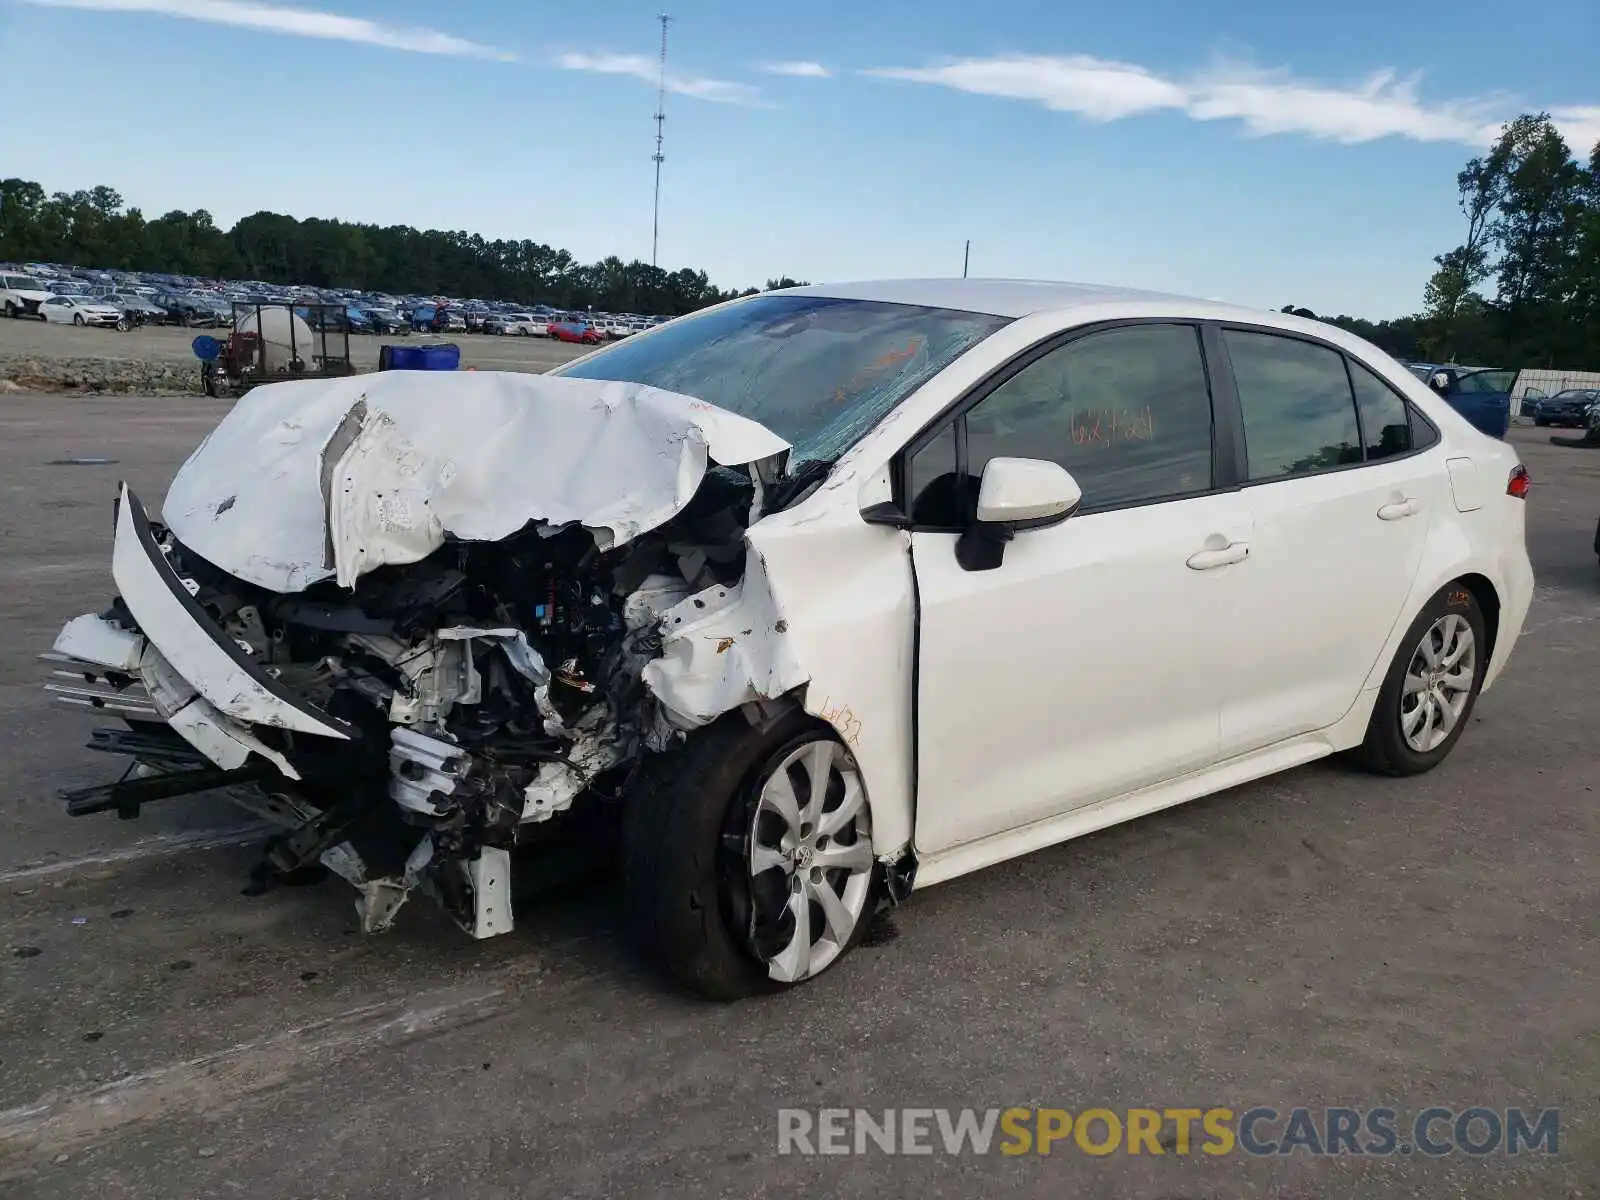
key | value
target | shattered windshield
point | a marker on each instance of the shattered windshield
(817, 371)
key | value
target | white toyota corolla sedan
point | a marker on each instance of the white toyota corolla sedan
(805, 601)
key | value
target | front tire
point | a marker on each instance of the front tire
(1432, 686)
(747, 857)
(77, 319)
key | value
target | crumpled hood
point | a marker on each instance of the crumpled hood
(316, 479)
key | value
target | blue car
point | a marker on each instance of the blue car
(1480, 394)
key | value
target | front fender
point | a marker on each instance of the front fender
(825, 613)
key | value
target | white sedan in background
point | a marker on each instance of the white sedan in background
(81, 310)
(982, 566)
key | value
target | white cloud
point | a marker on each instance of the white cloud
(1266, 102)
(639, 66)
(297, 22)
(1077, 83)
(1380, 106)
(1580, 126)
(800, 69)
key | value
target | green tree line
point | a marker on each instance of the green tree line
(1522, 289)
(95, 228)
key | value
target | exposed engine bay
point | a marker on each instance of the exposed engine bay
(410, 731)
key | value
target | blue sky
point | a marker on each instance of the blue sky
(1256, 150)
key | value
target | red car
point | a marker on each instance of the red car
(576, 331)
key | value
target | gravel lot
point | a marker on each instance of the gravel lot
(159, 358)
(1318, 938)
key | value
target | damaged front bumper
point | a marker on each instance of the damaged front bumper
(200, 712)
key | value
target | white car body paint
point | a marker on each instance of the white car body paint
(478, 458)
(1465, 487)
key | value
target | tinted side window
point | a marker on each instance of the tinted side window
(1385, 425)
(1127, 411)
(937, 498)
(1423, 434)
(1299, 416)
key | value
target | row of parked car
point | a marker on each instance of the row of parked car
(122, 299)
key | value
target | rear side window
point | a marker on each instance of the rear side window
(1299, 414)
(1385, 425)
(1423, 433)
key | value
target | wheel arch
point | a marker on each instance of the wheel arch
(1488, 598)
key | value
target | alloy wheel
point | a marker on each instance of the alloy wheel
(1438, 683)
(809, 860)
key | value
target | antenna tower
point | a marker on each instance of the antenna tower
(659, 157)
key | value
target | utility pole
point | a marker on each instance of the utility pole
(661, 116)
(966, 257)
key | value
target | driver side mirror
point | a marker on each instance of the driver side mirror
(1015, 494)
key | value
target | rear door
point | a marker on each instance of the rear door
(1341, 493)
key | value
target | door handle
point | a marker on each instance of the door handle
(1219, 556)
(1396, 509)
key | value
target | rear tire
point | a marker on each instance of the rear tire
(695, 827)
(12, 311)
(1431, 688)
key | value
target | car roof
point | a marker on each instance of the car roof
(1001, 297)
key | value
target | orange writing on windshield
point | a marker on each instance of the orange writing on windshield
(882, 363)
(1107, 426)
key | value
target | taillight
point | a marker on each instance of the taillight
(1520, 482)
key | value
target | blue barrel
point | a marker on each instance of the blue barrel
(433, 356)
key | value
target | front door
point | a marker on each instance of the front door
(1088, 663)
